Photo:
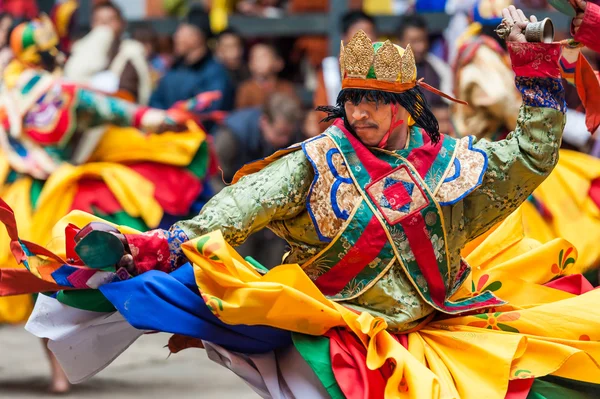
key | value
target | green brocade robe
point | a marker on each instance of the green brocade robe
(275, 197)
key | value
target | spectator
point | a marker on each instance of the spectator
(265, 64)
(253, 133)
(230, 52)
(108, 62)
(413, 30)
(250, 134)
(329, 83)
(159, 63)
(195, 69)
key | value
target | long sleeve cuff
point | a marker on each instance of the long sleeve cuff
(538, 74)
(588, 31)
(535, 60)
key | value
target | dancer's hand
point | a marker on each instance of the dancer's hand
(515, 20)
(580, 6)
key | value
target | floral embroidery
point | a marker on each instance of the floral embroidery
(491, 321)
(523, 374)
(333, 195)
(176, 237)
(563, 262)
(438, 247)
(214, 304)
(542, 92)
(482, 285)
(470, 165)
(208, 248)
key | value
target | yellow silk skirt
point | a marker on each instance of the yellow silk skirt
(542, 331)
(574, 216)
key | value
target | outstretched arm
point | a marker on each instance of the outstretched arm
(98, 109)
(521, 162)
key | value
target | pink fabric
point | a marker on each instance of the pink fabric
(575, 284)
(535, 60)
(588, 31)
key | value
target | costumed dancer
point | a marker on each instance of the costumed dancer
(375, 299)
(565, 204)
(66, 147)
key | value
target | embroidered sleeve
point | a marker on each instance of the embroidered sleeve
(277, 192)
(96, 109)
(521, 162)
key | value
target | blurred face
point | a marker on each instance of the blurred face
(106, 16)
(4, 27)
(263, 61)
(371, 122)
(363, 25)
(187, 38)
(418, 40)
(230, 51)
(279, 133)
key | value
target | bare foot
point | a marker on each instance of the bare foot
(60, 385)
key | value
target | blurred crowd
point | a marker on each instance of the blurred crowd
(269, 87)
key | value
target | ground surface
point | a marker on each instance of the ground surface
(143, 371)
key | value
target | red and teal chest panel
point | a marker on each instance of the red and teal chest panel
(379, 209)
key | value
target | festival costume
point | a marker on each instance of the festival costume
(375, 297)
(567, 203)
(66, 147)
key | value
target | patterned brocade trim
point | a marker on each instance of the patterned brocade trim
(176, 237)
(542, 92)
(535, 60)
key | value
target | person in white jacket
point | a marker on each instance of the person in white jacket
(106, 61)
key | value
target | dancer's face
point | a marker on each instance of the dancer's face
(371, 122)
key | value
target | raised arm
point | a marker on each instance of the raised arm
(521, 162)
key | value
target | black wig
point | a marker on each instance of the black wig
(412, 100)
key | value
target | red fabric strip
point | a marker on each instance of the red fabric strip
(21, 281)
(374, 166)
(416, 233)
(575, 284)
(588, 89)
(7, 217)
(519, 389)
(367, 247)
(588, 31)
(422, 158)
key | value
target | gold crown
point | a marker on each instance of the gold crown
(379, 66)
